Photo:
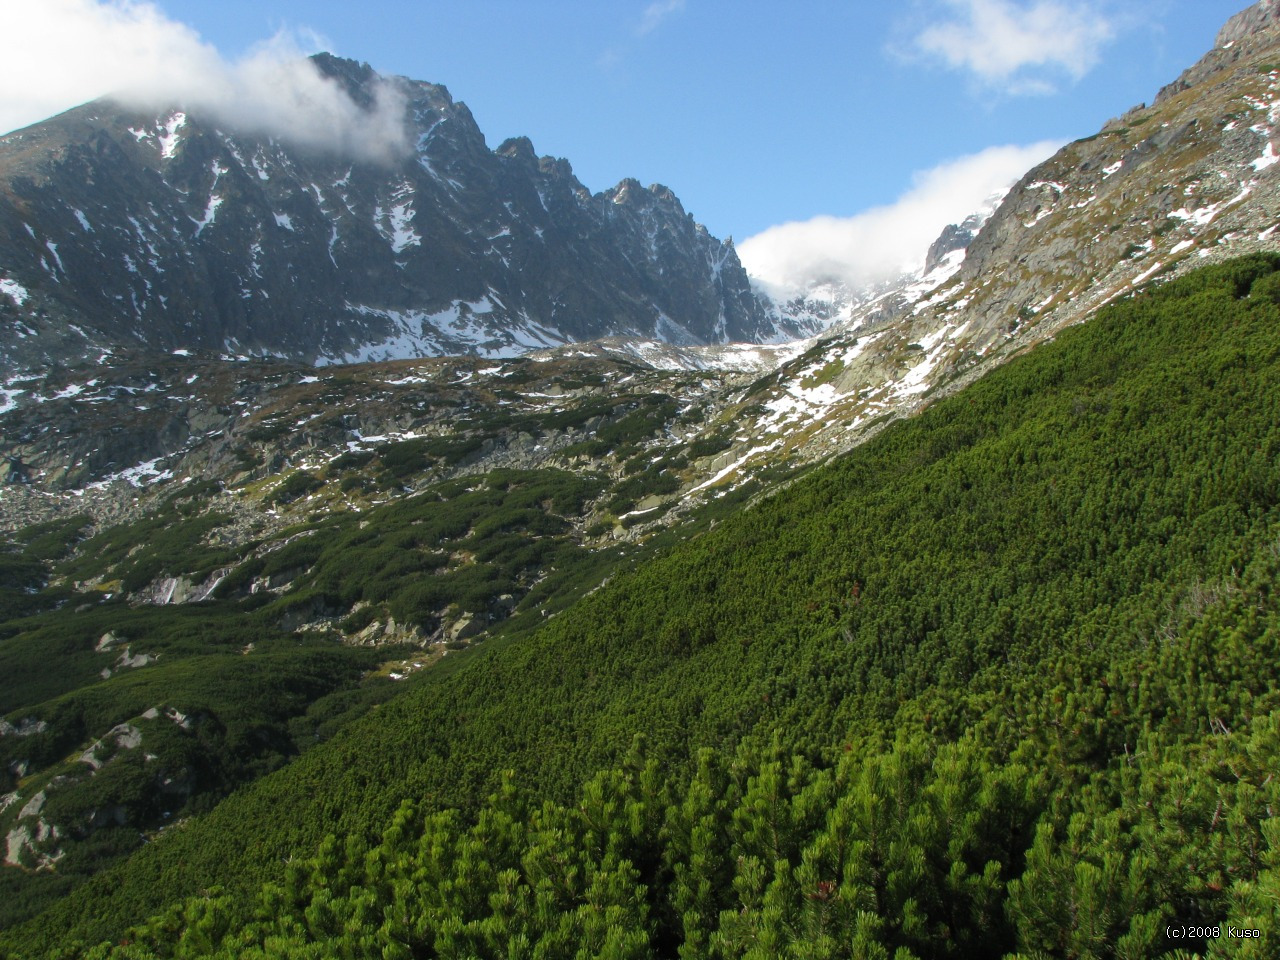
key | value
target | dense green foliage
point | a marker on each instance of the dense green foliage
(208, 717)
(1001, 682)
(253, 693)
(25, 557)
(173, 543)
(475, 545)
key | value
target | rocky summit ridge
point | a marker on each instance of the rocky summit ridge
(172, 229)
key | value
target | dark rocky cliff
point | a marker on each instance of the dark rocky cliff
(166, 230)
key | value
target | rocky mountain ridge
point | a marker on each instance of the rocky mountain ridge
(129, 228)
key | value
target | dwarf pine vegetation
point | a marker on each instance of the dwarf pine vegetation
(1001, 682)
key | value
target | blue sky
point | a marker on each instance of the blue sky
(755, 113)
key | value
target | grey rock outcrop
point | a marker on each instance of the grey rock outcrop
(1261, 16)
(954, 236)
(1238, 38)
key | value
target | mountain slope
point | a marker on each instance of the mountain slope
(1190, 180)
(166, 230)
(1025, 571)
(385, 516)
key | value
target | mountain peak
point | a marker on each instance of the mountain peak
(1261, 16)
(1239, 35)
(628, 190)
(518, 148)
(355, 76)
(665, 194)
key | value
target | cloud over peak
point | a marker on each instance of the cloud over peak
(884, 242)
(61, 53)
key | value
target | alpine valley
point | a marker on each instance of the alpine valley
(406, 552)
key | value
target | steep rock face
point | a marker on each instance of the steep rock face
(954, 237)
(1260, 17)
(1161, 189)
(166, 230)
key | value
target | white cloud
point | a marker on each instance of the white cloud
(61, 53)
(653, 17)
(1000, 41)
(883, 242)
(655, 13)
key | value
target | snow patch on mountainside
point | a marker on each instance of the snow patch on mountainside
(751, 358)
(14, 291)
(481, 327)
(395, 223)
(170, 139)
